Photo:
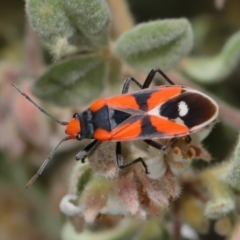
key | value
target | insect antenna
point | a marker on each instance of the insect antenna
(41, 109)
(44, 164)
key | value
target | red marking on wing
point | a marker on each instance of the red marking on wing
(134, 131)
(122, 101)
(162, 95)
(168, 128)
(128, 131)
(97, 105)
(102, 135)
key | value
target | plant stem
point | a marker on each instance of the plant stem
(34, 66)
(176, 221)
(122, 19)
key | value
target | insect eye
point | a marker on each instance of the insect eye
(75, 115)
(79, 137)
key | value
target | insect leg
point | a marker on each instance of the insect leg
(147, 81)
(119, 159)
(152, 74)
(83, 154)
(156, 145)
(160, 146)
(127, 82)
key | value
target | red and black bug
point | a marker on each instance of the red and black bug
(162, 112)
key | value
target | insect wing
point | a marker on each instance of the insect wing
(143, 100)
(148, 127)
(164, 112)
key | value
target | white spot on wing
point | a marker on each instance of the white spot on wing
(214, 117)
(182, 109)
(179, 120)
(156, 111)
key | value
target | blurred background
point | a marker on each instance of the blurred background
(26, 136)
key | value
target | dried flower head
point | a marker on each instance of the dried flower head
(100, 189)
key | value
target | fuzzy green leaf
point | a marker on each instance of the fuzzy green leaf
(233, 174)
(74, 81)
(82, 23)
(221, 200)
(92, 18)
(220, 204)
(215, 69)
(79, 178)
(49, 19)
(83, 180)
(155, 44)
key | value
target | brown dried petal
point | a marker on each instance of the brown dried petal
(127, 191)
(201, 152)
(154, 190)
(172, 185)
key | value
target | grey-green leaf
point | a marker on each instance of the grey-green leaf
(91, 18)
(49, 19)
(82, 23)
(155, 44)
(74, 81)
(217, 68)
(233, 175)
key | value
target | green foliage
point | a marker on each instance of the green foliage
(49, 19)
(92, 46)
(92, 20)
(221, 201)
(85, 25)
(233, 174)
(72, 81)
(83, 180)
(80, 22)
(217, 68)
(155, 44)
